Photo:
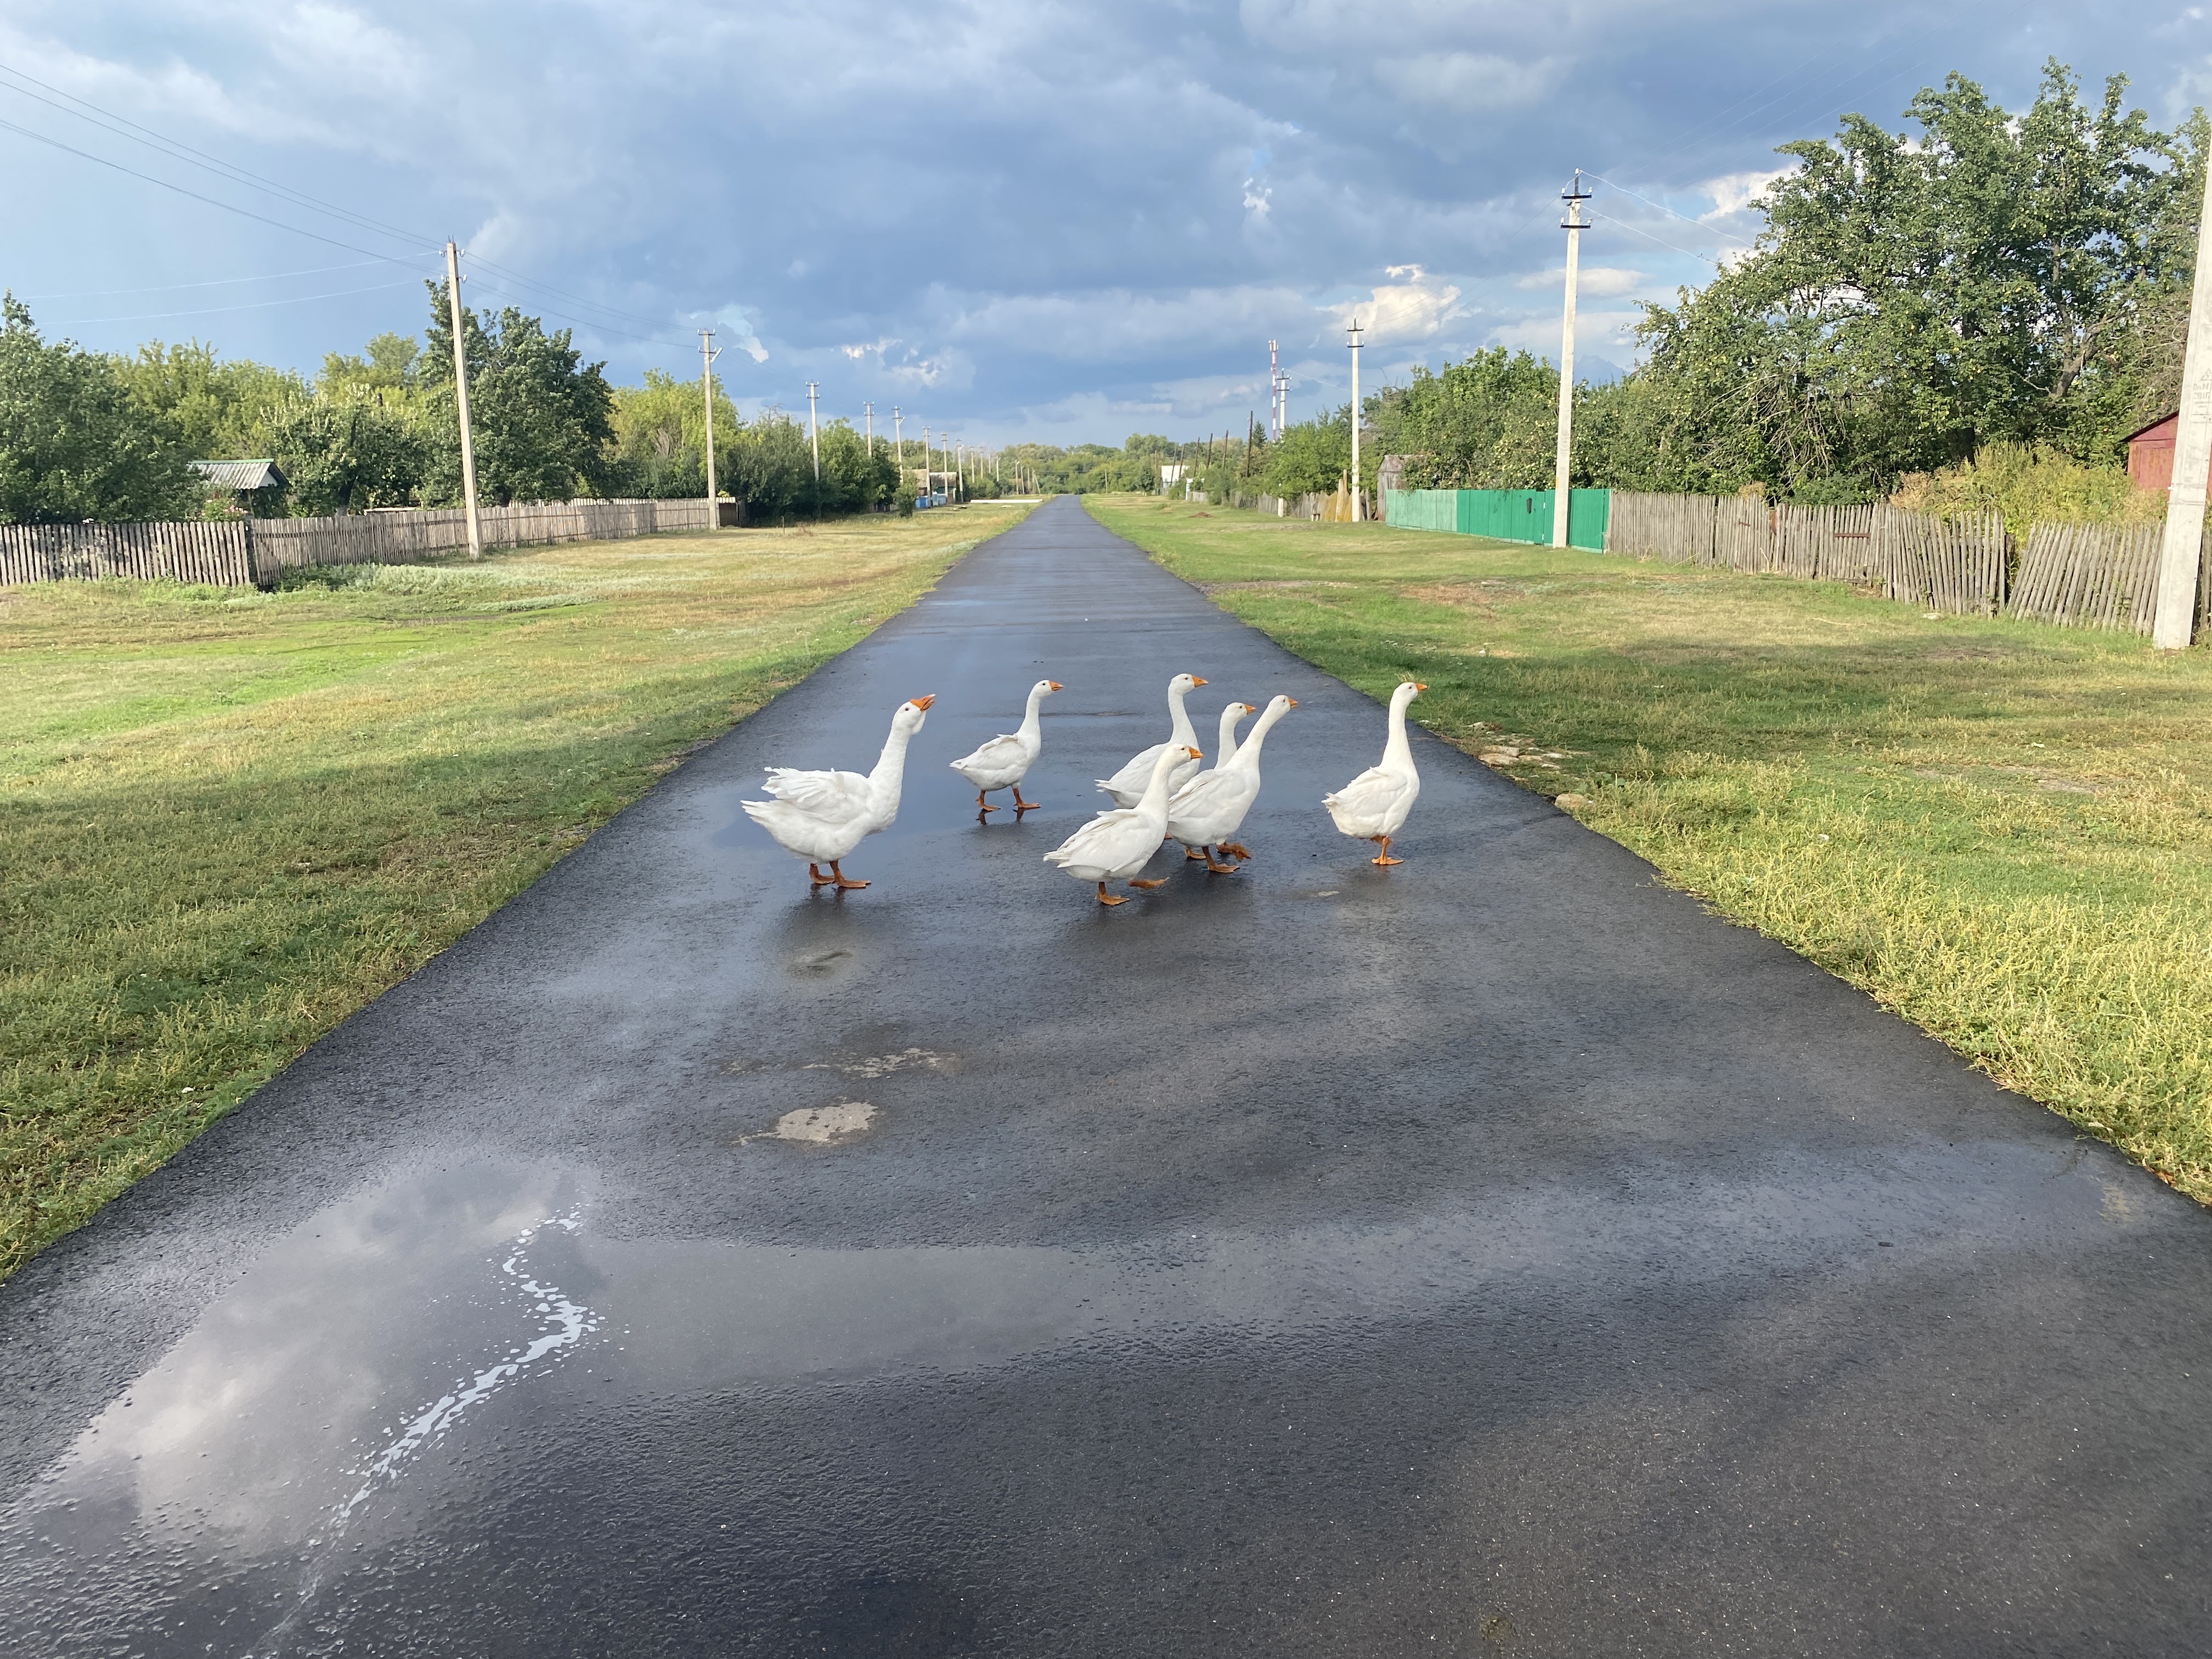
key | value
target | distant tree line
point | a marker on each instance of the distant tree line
(88, 435)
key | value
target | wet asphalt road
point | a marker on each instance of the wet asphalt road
(1491, 1255)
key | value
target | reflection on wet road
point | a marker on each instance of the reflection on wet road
(1493, 1254)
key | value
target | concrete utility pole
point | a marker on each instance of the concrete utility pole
(707, 355)
(868, 414)
(1355, 332)
(1274, 391)
(461, 398)
(2192, 457)
(1562, 470)
(813, 442)
(898, 436)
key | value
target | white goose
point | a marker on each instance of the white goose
(1117, 844)
(1126, 785)
(1004, 762)
(1374, 805)
(1225, 751)
(1211, 808)
(823, 816)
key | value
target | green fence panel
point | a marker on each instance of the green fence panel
(1421, 509)
(1504, 515)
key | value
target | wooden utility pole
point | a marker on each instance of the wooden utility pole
(1562, 468)
(2192, 456)
(1355, 333)
(707, 355)
(461, 398)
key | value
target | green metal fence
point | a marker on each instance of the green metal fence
(1505, 515)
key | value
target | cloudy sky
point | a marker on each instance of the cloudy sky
(1036, 219)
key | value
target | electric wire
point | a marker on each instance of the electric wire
(227, 207)
(215, 282)
(177, 149)
(161, 143)
(251, 305)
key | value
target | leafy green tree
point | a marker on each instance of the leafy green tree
(543, 420)
(660, 438)
(389, 364)
(1915, 296)
(346, 451)
(854, 479)
(73, 444)
(1311, 456)
(1490, 422)
(215, 409)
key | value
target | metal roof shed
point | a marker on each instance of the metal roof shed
(241, 475)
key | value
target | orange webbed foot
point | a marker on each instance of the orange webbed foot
(1157, 881)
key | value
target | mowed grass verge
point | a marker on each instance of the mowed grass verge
(2002, 831)
(232, 818)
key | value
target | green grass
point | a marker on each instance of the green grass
(232, 818)
(2002, 831)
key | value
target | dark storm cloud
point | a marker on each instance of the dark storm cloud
(1064, 222)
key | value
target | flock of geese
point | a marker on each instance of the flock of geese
(1159, 795)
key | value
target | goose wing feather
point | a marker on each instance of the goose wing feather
(1365, 806)
(819, 795)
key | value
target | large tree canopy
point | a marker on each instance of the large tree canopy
(543, 420)
(1988, 278)
(73, 445)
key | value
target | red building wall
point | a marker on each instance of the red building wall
(2150, 455)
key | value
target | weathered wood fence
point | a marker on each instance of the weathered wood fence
(217, 554)
(1957, 565)
(242, 552)
(1283, 506)
(2096, 575)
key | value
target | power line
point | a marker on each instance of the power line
(582, 322)
(251, 305)
(1663, 207)
(178, 150)
(217, 282)
(227, 207)
(573, 299)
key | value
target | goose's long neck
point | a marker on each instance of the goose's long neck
(1028, 729)
(1182, 735)
(1247, 757)
(1155, 801)
(1226, 751)
(890, 765)
(1398, 752)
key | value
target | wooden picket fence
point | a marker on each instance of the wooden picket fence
(1959, 566)
(280, 545)
(2097, 576)
(241, 553)
(219, 553)
(1281, 506)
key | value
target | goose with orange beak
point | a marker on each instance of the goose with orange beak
(1004, 762)
(1206, 812)
(1373, 805)
(1117, 844)
(821, 817)
(1126, 785)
